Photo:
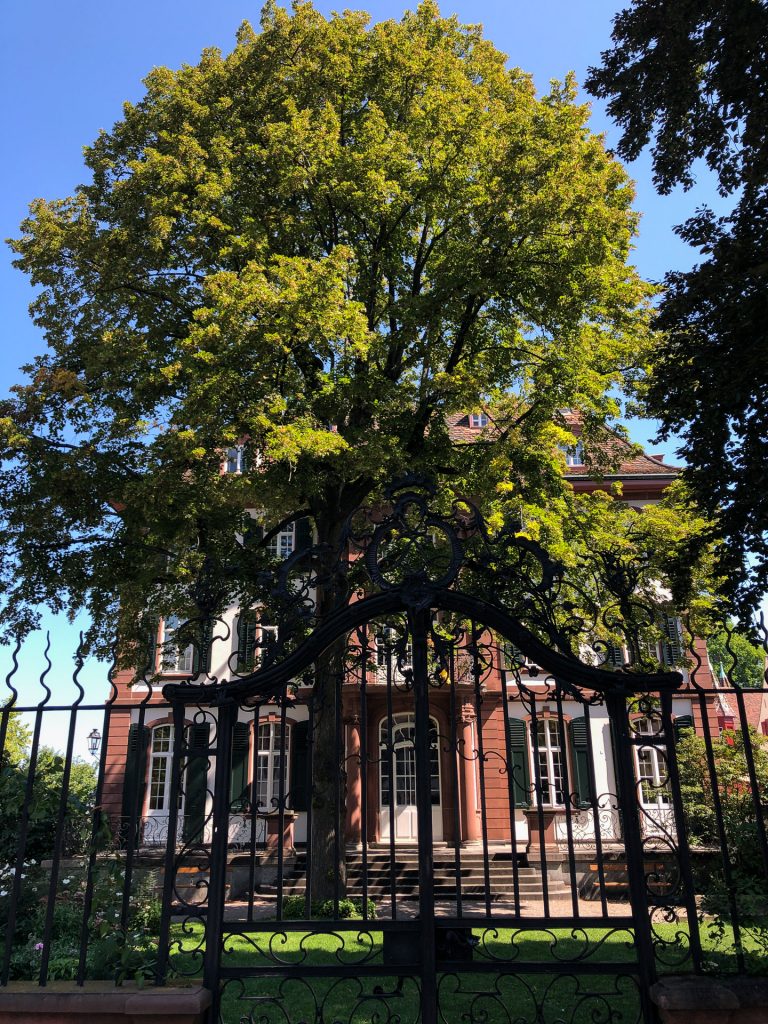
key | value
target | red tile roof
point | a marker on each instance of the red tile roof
(633, 465)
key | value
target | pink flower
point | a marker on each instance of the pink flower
(39, 946)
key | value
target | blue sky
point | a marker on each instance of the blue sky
(66, 68)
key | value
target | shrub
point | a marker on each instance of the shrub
(294, 908)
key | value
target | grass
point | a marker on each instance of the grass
(502, 996)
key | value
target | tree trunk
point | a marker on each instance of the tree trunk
(327, 863)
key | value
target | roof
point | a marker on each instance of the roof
(632, 466)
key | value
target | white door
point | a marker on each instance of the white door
(403, 760)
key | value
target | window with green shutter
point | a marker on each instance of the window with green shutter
(682, 724)
(672, 644)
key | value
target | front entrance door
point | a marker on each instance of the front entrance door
(399, 804)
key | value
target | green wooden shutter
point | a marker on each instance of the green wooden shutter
(134, 779)
(246, 640)
(299, 766)
(201, 649)
(151, 662)
(614, 655)
(671, 646)
(581, 782)
(518, 762)
(252, 534)
(238, 784)
(195, 785)
(615, 760)
(303, 534)
(681, 725)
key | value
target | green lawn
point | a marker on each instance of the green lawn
(471, 997)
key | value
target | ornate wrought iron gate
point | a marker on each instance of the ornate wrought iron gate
(431, 674)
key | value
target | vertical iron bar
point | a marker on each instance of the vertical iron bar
(539, 803)
(418, 622)
(281, 805)
(567, 797)
(458, 811)
(310, 759)
(179, 742)
(95, 828)
(481, 765)
(61, 820)
(638, 895)
(253, 801)
(364, 767)
(595, 801)
(683, 849)
(510, 789)
(391, 762)
(21, 846)
(132, 835)
(337, 824)
(751, 771)
(214, 924)
(714, 783)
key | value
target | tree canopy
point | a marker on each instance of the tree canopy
(691, 79)
(318, 246)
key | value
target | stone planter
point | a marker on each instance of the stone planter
(102, 1003)
(692, 999)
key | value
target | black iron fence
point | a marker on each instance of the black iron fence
(417, 802)
(106, 868)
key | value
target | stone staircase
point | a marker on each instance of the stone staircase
(406, 875)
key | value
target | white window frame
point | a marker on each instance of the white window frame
(574, 454)
(268, 758)
(549, 774)
(651, 766)
(235, 460)
(383, 642)
(478, 420)
(160, 763)
(173, 659)
(283, 544)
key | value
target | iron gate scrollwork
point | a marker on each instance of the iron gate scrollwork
(511, 840)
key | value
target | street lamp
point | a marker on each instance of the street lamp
(94, 742)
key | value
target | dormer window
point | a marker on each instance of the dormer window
(235, 460)
(478, 420)
(574, 454)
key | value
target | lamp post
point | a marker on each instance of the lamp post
(94, 742)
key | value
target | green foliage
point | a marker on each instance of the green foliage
(17, 740)
(45, 805)
(322, 263)
(692, 78)
(736, 799)
(742, 662)
(113, 952)
(294, 908)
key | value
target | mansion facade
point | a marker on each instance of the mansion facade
(510, 763)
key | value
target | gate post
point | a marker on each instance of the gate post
(418, 624)
(633, 841)
(225, 719)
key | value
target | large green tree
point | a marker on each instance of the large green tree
(319, 245)
(691, 79)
